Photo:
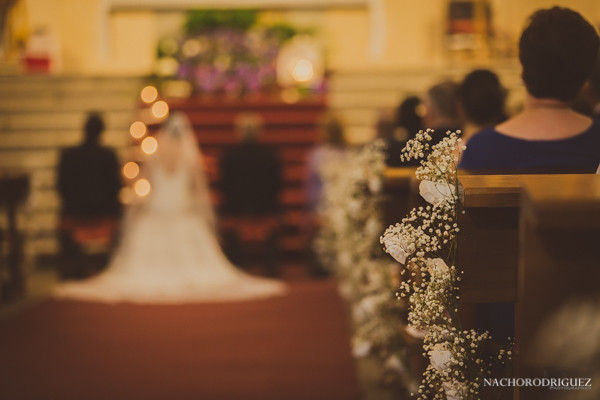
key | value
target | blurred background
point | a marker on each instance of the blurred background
(288, 60)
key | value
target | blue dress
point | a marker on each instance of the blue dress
(492, 151)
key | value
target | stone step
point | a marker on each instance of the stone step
(71, 85)
(61, 120)
(42, 139)
(62, 101)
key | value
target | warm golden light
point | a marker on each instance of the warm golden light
(131, 170)
(149, 145)
(149, 94)
(142, 187)
(303, 71)
(137, 129)
(160, 109)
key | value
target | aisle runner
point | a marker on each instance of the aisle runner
(294, 347)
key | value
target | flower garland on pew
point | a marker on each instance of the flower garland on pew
(425, 243)
(348, 244)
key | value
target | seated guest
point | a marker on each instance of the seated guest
(397, 129)
(250, 182)
(557, 51)
(331, 148)
(441, 110)
(386, 131)
(88, 183)
(481, 100)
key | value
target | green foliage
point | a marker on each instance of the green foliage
(282, 31)
(200, 21)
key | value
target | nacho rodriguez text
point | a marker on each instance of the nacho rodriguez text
(550, 383)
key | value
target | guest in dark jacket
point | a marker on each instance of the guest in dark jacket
(250, 183)
(88, 184)
(251, 176)
(88, 176)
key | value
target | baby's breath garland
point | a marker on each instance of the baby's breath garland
(425, 243)
(347, 243)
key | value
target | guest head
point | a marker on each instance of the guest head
(557, 50)
(481, 99)
(386, 124)
(248, 126)
(332, 131)
(409, 117)
(94, 126)
(441, 106)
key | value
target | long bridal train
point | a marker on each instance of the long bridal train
(169, 252)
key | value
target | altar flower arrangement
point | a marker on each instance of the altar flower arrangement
(424, 242)
(351, 223)
(224, 51)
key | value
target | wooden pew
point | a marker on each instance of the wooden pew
(559, 258)
(400, 186)
(532, 240)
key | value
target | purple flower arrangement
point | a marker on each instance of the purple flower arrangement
(224, 57)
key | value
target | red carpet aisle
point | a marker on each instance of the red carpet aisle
(295, 347)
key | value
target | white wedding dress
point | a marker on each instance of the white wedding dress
(169, 252)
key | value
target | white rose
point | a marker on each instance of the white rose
(414, 332)
(375, 184)
(373, 227)
(360, 348)
(437, 267)
(394, 363)
(455, 390)
(439, 357)
(338, 218)
(436, 192)
(363, 309)
(344, 259)
(395, 248)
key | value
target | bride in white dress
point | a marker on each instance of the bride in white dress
(169, 252)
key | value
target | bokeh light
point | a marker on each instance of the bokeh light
(149, 94)
(290, 95)
(138, 129)
(160, 109)
(303, 70)
(142, 187)
(131, 170)
(149, 145)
